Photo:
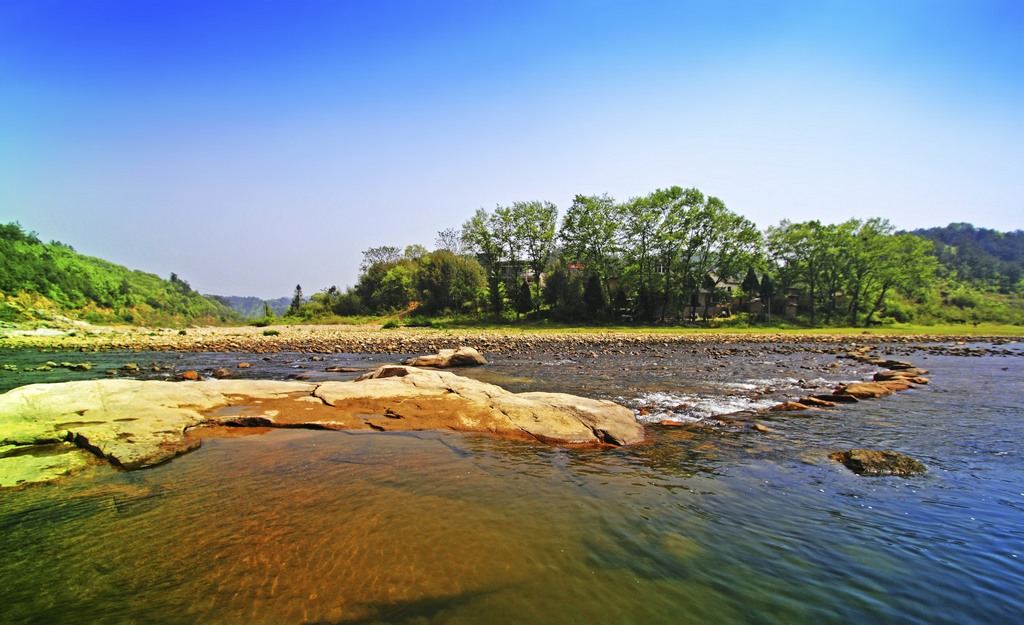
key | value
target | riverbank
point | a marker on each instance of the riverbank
(502, 341)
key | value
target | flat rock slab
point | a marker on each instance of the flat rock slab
(135, 424)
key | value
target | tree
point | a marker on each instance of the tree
(449, 239)
(524, 298)
(563, 294)
(862, 263)
(537, 229)
(798, 250)
(883, 263)
(593, 298)
(767, 293)
(378, 256)
(589, 235)
(445, 281)
(414, 252)
(296, 305)
(386, 286)
(640, 219)
(478, 236)
(180, 285)
(750, 283)
(395, 289)
(738, 242)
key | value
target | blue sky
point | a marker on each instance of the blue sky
(250, 146)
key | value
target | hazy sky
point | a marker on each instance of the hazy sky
(252, 145)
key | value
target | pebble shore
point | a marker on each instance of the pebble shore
(319, 339)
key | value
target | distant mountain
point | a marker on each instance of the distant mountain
(980, 256)
(39, 280)
(253, 307)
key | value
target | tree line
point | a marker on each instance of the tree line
(674, 255)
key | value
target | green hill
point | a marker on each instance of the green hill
(979, 256)
(253, 307)
(39, 280)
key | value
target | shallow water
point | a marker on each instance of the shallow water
(715, 524)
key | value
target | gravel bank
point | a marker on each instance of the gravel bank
(364, 340)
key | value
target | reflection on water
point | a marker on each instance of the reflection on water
(706, 524)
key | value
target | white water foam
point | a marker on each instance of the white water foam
(689, 408)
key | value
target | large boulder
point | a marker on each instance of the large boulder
(878, 463)
(135, 424)
(446, 358)
(409, 398)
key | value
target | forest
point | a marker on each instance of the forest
(677, 256)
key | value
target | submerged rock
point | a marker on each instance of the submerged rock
(878, 463)
(135, 424)
(445, 358)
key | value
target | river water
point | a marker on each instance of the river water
(712, 522)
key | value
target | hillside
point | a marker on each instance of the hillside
(39, 280)
(254, 307)
(979, 256)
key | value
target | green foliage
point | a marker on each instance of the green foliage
(411, 321)
(849, 271)
(593, 299)
(271, 333)
(447, 283)
(481, 236)
(12, 314)
(95, 289)
(983, 258)
(524, 298)
(563, 293)
(296, 303)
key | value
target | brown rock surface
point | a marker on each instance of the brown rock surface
(135, 424)
(900, 376)
(788, 406)
(446, 358)
(416, 399)
(866, 390)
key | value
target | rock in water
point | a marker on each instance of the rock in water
(135, 424)
(878, 463)
(446, 358)
(789, 406)
(427, 399)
